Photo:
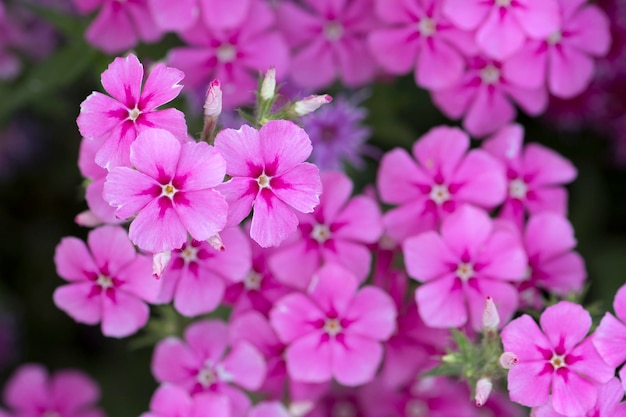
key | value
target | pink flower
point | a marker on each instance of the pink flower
(471, 259)
(197, 274)
(535, 175)
(201, 364)
(132, 109)
(333, 330)
(171, 189)
(565, 57)
(31, 391)
(484, 96)
(610, 335)
(337, 231)
(119, 25)
(173, 401)
(109, 281)
(503, 25)
(442, 175)
(269, 175)
(557, 359)
(269, 409)
(231, 41)
(174, 15)
(418, 37)
(329, 41)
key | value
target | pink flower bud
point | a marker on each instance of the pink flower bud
(300, 408)
(213, 102)
(159, 263)
(88, 219)
(491, 318)
(216, 242)
(268, 86)
(508, 360)
(311, 103)
(483, 389)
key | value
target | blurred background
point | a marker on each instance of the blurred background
(47, 70)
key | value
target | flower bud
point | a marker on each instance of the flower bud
(159, 263)
(212, 109)
(268, 86)
(491, 318)
(508, 360)
(300, 408)
(88, 218)
(311, 103)
(483, 389)
(216, 242)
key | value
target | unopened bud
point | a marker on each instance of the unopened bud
(87, 219)
(159, 263)
(311, 103)
(483, 389)
(216, 242)
(268, 86)
(491, 318)
(300, 408)
(508, 360)
(212, 109)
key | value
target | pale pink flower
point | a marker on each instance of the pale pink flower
(176, 15)
(171, 189)
(173, 401)
(31, 391)
(270, 177)
(610, 336)
(198, 274)
(484, 98)
(557, 359)
(119, 25)
(470, 259)
(565, 58)
(334, 331)
(502, 26)
(418, 37)
(337, 231)
(328, 41)
(203, 362)
(535, 175)
(109, 281)
(132, 108)
(441, 175)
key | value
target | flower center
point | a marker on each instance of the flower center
(503, 3)
(439, 193)
(104, 281)
(557, 361)
(332, 327)
(189, 254)
(226, 53)
(168, 190)
(343, 409)
(518, 189)
(465, 271)
(333, 31)
(133, 113)
(321, 233)
(416, 408)
(427, 26)
(252, 281)
(490, 75)
(264, 181)
(207, 376)
(554, 38)
(52, 413)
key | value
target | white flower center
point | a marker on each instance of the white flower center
(252, 281)
(439, 193)
(518, 189)
(332, 327)
(343, 409)
(490, 75)
(554, 38)
(104, 281)
(189, 254)
(226, 53)
(416, 408)
(264, 181)
(134, 113)
(465, 271)
(321, 233)
(333, 31)
(503, 3)
(558, 361)
(168, 190)
(207, 376)
(427, 26)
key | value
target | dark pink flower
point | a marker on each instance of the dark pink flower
(610, 336)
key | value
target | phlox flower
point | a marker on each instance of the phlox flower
(484, 97)
(337, 231)
(197, 274)
(31, 391)
(535, 175)
(173, 401)
(119, 25)
(334, 330)
(202, 363)
(441, 175)
(269, 409)
(270, 177)
(502, 26)
(171, 189)
(132, 108)
(418, 37)
(610, 335)
(470, 259)
(609, 403)
(555, 359)
(109, 281)
(231, 41)
(328, 41)
(565, 58)
(174, 15)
